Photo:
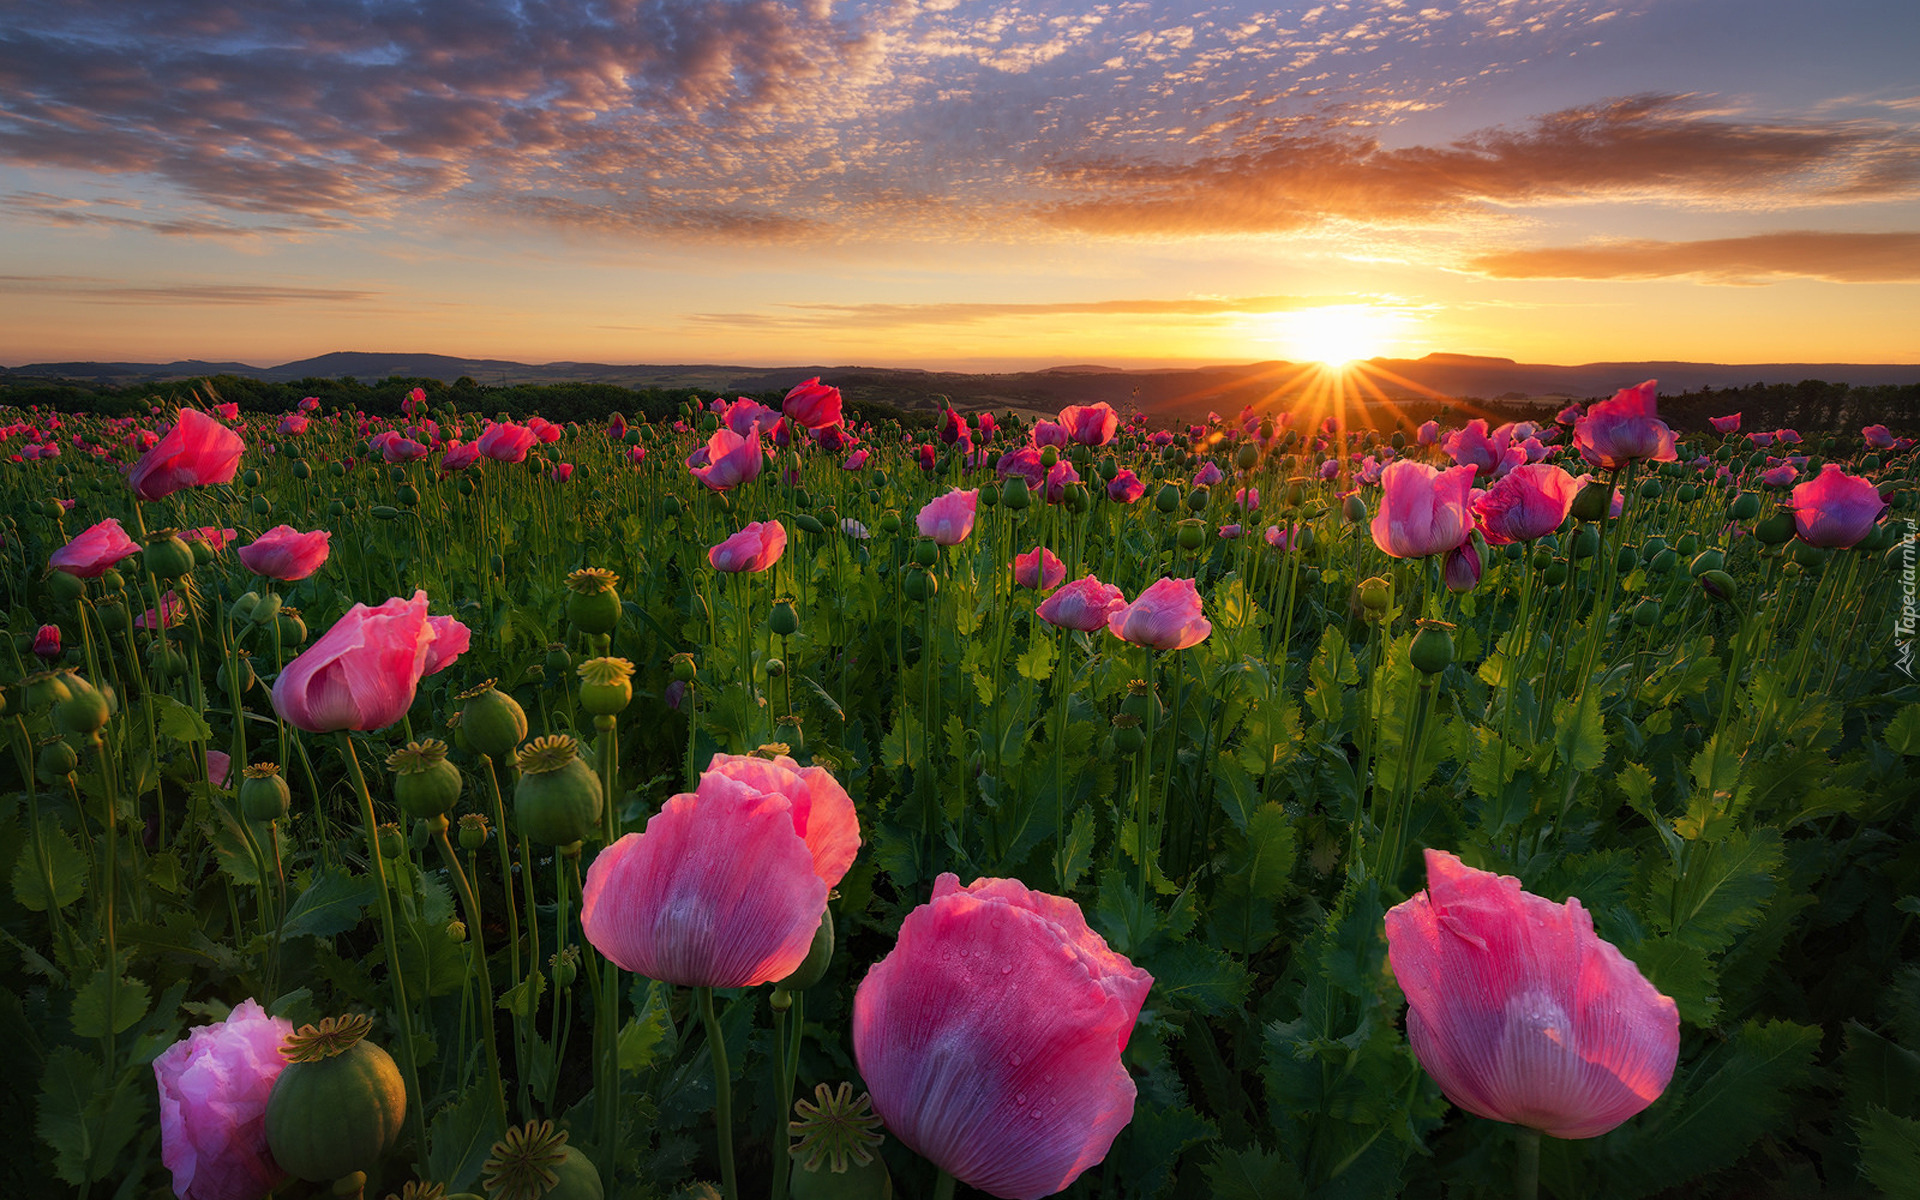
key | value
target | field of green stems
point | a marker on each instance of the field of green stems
(768, 803)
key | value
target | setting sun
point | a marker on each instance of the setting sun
(1338, 334)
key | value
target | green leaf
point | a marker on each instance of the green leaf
(1077, 851)
(1122, 915)
(130, 1000)
(429, 957)
(1903, 732)
(1890, 1152)
(893, 747)
(523, 998)
(1880, 1072)
(461, 1137)
(1149, 1151)
(64, 862)
(85, 1122)
(1254, 1174)
(1236, 790)
(647, 1034)
(1580, 734)
(177, 721)
(163, 871)
(333, 903)
(1332, 671)
(1681, 971)
(1194, 975)
(1036, 662)
(1726, 891)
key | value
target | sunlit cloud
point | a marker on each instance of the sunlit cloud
(1837, 257)
(106, 291)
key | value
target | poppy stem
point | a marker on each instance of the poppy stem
(943, 1187)
(722, 1091)
(1526, 1165)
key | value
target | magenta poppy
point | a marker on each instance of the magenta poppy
(362, 673)
(197, 451)
(93, 550)
(1125, 487)
(812, 404)
(1422, 511)
(1167, 616)
(731, 460)
(1529, 503)
(1039, 568)
(213, 1087)
(1836, 509)
(286, 554)
(754, 548)
(948, 519)
(1085, 604)
(1625, 429)
(1090, 424)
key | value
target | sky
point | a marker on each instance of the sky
(960, 185)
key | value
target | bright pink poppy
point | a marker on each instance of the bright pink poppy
(1039, 568)
(1836, 509)
(171, 613)
(310, 404)
(1422, 511)
(1167, 616)
(1520, 1012)
(1428, 434)
(214, 1085)
(1059, 475)
(731, 459)
(561, 472)
(754, 548)
(1625, 429)
(1878, 436)
(286, 554)
(46, 642)
(459, 457)
(216, 538)
(948, 519)
(726, 886)
(197, 451)
(636, 455)
(1023, 461)
(450, 640)
(854, 461)
(1208, 474)
(506, 442)
(1050, 433)
(990, 1037)
(219, 766)
(812, 404)
(544, 430)
(1727, 424)
(1780, 476)
(362, 673)
(743, 414)
(293, 425)
(953, 427)
(1529, 503)
(1125, 487)
(823, 813)
(403, 450)
(93, 550)
(1246, 499)
(1090, 424)
(1085, 604)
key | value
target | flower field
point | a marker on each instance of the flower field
(757, 801)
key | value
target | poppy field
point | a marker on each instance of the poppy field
(753, 800)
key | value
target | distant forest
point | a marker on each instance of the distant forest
(1810, 406)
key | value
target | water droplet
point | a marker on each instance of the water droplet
(1019, 1097)
(1006, 969)
(1016, 1060)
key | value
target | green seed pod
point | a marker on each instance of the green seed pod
(1646, 614)
(559, 663)
(1590, 503)
(247, 677)
(1049, 455)
(1015, 493)
(684, 668)
(337, 508)
(593, 604)
(1810, 556)
(1192, 534)
(809, 523)
(1198, 499)
(1109, 467)
(250, 478)
(1774, 530)
(265, 609)
(392, 843)
(1128, 737)
(889, 522)
(1688, 545)
(1353, 510)
(1745, 507)
(919, 585)
(262, 506)
(1652, 546)
(408, 495)
(1626, 560)
(1432, 648)
(671, 506)
(425, 784)
(384, 512)
(293, 629)
(166, 555)
(925, 553)
(1663, 562)
(473, 831)
(1586, 542)
(42, 690)
(243, 605)
(1556, 573)
(1167, 499)
(492, 721)
(1247, 457)
(819, 957)
(302, 471)
(1719, 586)
(1542, 558)
(557, 801)
(57, 760)
(606, 686)
(264, 795)
(775, 668)
(338, 1106)
(1376, 594)
(84, 710)
(337, 470)
(1706, 560)
(534, 1162)
(782, 620)
(1652, 489)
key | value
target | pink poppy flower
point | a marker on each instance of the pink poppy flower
(219, 765)
(990, 1037)
(93, 550)
(1780, 476)
(953, 427)
(545, 431)
(854, 461)
(743, 414)
(988, 427)
(813, 404)
(197, 451)
(1085, 604)
(1836, 509)
(1059, 475)
(450, 641)
(1246, 499)
(754, 548)
(1520, 1012)
(1208, 475)
(1090, 424)
(1529, 503)
(727, 885)
(46, 642)
(1625, 429)
(948, 519)
(1023, 461)
(171, 613)
(1125, 487)
(561, 472)
(834, 438)
(1039, 569)
(1282, 538)
(286, 554)
(1461, 567)
(1422, 511)
(506, 442)
(636, 455)
(213, 1086)
(1727, 424)
(1428, 434)
(310, 404)
(1787, 437)
(1167, 616)
(925, 457)
(1050, 433)
(731, 460)
(1878, 436)
(1230, 532)
(1330, 469)
(362, 673)
(217, 539)
(293, 425)
(403, 450)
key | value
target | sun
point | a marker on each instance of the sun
(1338, 334)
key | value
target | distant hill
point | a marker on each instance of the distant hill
(1437, 380)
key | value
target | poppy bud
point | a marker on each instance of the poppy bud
(925, 553)
(65, 588)
(393, 843)
(1646, 614)
(1706, 560)
(492, 721)
(809, 523)
(1745, 507)
(782, 620)
(819, 958)
(1353, 510)
(1375, 594)
(1719, 585)
(1192, 534)
(890, 522)
(167, 556)
(1556, 572)
(1432, 648)
(1592, 501)
(919, 585)
(1775, 530)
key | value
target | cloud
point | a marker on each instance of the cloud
(76, 213)
(1837, 257)
(1646, 147)
(106, 291)
(874, 316)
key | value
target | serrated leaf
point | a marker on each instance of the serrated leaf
(1254, 1174)
(1267, 866)
(1890, 1152)
(461, 1136)
(1076, 852)
(1150, 1149)
(1681, 971)
(1332, 670)
(1725, 893)
(64, 862)
(893, 747)
(86, 1124)
(175, 720)
(1903, 732)
(1036, 662)
(332, 904)
(1579, 734)
(1236, 791)
(1194, 975)
(90, 1004)
(647, 1034)
(523, 998)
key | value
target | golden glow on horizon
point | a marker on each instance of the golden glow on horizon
(1339, 334)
